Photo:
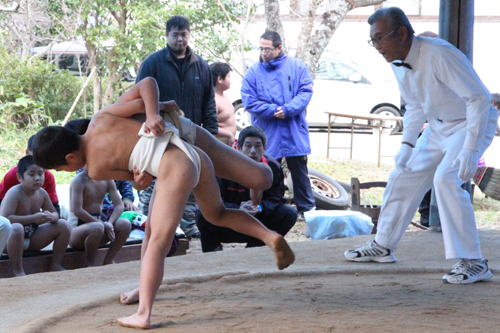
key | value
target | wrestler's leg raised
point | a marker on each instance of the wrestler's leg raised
(176, 176)
(230, 164)
(208, 197)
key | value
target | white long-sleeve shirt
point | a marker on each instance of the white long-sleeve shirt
(443, 85)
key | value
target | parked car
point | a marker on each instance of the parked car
(340, 85)
(73, 56)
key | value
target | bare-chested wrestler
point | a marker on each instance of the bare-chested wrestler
(221, 74)
(86, 199)
(178, 167)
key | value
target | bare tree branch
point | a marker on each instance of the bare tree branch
(334, 14)
(14, 7)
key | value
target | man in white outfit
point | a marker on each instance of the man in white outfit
(440, 85)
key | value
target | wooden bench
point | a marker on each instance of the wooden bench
(39, 261)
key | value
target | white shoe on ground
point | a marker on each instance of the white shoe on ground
(370, 252)
(468, 271)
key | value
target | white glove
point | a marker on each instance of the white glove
(402, 157)
(467, 159)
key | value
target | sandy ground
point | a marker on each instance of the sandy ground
(241, 290)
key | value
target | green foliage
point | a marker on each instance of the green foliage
(212, 33)
(35, 92)
(13, 143)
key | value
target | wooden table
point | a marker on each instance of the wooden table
(375, 122)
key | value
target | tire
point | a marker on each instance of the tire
(328, 193)
(347, 187)
(241, 116)
(390, 111)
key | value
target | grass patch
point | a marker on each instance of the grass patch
(487, 210)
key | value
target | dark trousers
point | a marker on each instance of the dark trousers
(212, 236)
(424, 209)
(302, 191)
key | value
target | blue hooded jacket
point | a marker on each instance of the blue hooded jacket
(285, 82)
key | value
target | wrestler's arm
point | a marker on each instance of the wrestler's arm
(117, 202)
(48, 207)
(126, 109)
(146, 91)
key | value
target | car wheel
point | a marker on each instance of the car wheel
(328, 193)
(389, 111)
(241, 116)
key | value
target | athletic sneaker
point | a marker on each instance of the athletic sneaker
(468, 271)
(371, 252)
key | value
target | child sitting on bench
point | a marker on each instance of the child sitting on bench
(35, 222)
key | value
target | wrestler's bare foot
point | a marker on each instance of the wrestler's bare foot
(20, 273)
(105, 262)
(283, 252)
(57, 268)
(130, 297)
(134, 321)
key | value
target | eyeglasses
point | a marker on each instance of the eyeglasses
(183, 35)
(266, 50)
(378, 40)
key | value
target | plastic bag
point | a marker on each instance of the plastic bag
(328, 224)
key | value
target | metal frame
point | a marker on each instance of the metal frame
(378, 122)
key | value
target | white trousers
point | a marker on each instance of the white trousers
(431, 161)
(5, 229)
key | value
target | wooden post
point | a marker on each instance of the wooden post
(456, 24)
(78, 97)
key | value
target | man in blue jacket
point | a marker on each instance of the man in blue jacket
(276, 92)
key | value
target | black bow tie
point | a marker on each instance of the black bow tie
(404, 64)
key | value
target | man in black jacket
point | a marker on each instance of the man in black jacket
(272, 211)
(184, 77)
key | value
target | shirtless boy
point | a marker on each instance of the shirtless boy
(86, 198)
(178, 167)
(221, 74)
(35, 222)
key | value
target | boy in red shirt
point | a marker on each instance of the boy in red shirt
(49, 185)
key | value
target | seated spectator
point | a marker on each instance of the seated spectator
(35, 222)
(126, 191)
(272, 212)
(10, 179)
(78, 125)
(124, 187)
(221, 74)
(5, 230)
(86, 198)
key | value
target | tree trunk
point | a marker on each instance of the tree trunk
(114, 75)
(316, 42)
(307, 26)
(92, 52)
(113, 78)
(272, 10)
